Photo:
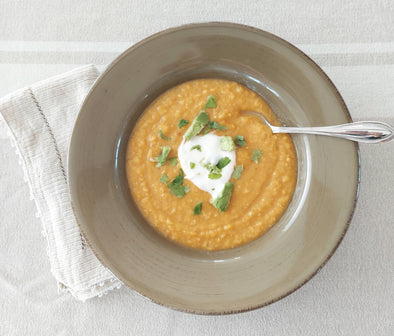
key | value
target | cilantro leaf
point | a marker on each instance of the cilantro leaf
(240, 141)
(173, 161)
(176, 186)
(164, 178)
(200, 121)
(163, 136)
(223, 162)
(177, 189)
(197, 125)
(227, 143)
(211, 102)
(238, 171)
(192, 165)
(178, 180)
(182, 123)
(223, 200)
(256, 155)
(197, 208)
(217, 126)
(162, 158)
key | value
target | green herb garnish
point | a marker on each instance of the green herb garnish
(173, 161)
(198, 147)
(238, 171)
(223, 200)
(240, 141)
(216, 126)
(164, 178)
(197, 208)
(201, 120)
(215, 172)
(182, 123)
(211, 102)
(162, 158)
(197, 125)
(256, 155)
(192, 165)
(176, 186)
(214, 175)
(163, 136)
(223, 162)
(227, 143)
(206, 165)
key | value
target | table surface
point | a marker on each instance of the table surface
(353, 41)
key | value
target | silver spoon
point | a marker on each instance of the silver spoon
(361, 131)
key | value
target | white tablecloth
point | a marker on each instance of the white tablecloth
(354, 43)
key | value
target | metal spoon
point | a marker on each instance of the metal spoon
(361, 131)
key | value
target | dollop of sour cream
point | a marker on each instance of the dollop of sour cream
(206, 153)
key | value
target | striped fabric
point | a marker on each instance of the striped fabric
(353, 41)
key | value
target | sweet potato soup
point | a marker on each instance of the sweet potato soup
(203, 173)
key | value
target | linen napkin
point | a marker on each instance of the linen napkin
(39, 120)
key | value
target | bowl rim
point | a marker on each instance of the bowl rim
(227, 24)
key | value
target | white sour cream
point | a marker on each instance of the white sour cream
(210, 154)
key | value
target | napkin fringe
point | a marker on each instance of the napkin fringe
(110, 285)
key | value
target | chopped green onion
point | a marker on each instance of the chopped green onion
(223, 162)
(198, 147)
(214, 176)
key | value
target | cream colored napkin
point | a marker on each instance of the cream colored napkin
(40, 120)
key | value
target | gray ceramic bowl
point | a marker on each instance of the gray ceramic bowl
(239, 279)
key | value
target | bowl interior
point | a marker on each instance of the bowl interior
(234, 280)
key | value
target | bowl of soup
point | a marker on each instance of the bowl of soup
(193, 202)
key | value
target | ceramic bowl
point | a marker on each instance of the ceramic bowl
(238, 279)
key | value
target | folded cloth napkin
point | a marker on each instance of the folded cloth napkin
(40, 120)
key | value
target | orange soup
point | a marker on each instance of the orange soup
(263, 177)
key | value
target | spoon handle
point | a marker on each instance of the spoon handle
(361, 131)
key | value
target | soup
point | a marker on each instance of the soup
(203, 173)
